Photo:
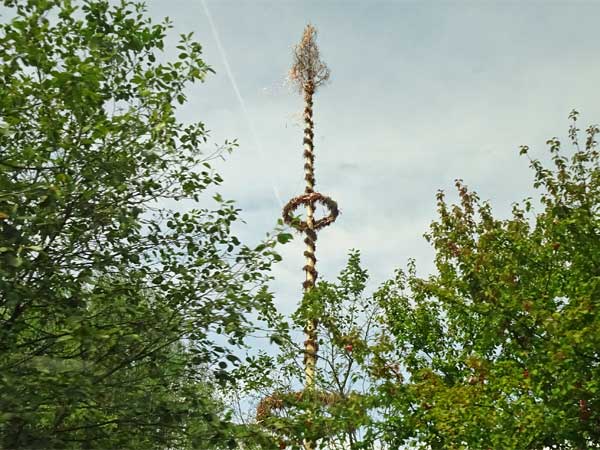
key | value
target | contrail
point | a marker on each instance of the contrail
(237, 93)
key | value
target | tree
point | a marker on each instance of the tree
(109, 300)
(496, 350)
(500, 346)
(339, 412)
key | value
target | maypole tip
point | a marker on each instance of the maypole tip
(308, 71)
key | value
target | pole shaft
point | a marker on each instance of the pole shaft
(310, 345)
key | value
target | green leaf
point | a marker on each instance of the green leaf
(14, 261)
(283, 238)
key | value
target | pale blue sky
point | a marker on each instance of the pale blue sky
(421, 93)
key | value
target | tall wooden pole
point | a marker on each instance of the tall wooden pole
(311, 345)
(309, 72)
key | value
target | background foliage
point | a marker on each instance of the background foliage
(500, 346)
(110, 301)
(497, 349)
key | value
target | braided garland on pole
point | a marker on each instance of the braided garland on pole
(308, 72)
(310, 344)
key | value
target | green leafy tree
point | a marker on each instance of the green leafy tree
(500, 347)
(340, 413)
(496, 350)
(100, 283)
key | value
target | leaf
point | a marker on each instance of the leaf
(14, 261)
(276, 339)
(283, 238)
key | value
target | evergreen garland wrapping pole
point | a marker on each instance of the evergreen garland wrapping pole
(308, 73)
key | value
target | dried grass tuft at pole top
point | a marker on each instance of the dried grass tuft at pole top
(308, 71)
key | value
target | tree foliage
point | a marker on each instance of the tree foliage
(338, 412)
(497, 349)
(100, 282)
(500, 346)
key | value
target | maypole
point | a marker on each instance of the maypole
(308, 73)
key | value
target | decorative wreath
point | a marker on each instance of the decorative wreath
(282, 400)
(310, 199)
(279, 401)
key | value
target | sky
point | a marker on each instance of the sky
(421, 93)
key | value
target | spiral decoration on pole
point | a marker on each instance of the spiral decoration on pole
(308, 73)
